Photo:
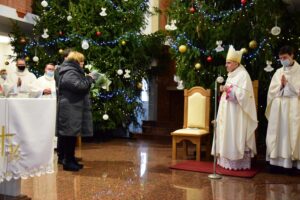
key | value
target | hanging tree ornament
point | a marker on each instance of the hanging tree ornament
(168, 27)
(269, 67)
(119, 72)
(44, 3)
(85, 44)
(182, 48)
(139, 85)
(123, 42)
(192, 10)
(209, 59)
(276, 30)
(243, 2)
(173, 26)
(45, 34)
(127, 73)
(219, 47)
(60, 51)
(103, 12)
(253, 44)
(35, 59)
(98, 33)
(22, 40)
(197, 66)
(105, 117)
(27, 58)
(69, 18)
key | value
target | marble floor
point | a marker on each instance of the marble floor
(122, 169)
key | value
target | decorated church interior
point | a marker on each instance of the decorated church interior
(150, 99)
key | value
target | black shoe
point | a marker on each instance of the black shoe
(78, 164)
(71, 166)
(77, 159)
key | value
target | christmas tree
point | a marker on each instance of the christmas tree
(109, 33)
(200, 32)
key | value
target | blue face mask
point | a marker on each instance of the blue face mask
(50, 74)
(285, 62)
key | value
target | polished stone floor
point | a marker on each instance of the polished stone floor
(123, 169)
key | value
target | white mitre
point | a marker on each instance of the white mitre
(233, 55)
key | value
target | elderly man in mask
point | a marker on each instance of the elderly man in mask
(19, 81)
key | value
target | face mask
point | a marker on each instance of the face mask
(50, 73)
(285, 62)
(3, 76)
(21, 68)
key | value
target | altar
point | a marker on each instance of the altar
(27, 131)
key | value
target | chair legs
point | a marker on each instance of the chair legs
(196, 141)
(174, 148)
(198, 150)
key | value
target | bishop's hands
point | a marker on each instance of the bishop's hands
(224, 88)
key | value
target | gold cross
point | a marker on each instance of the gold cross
(3, 136)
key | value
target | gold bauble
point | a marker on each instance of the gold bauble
(123, 42)
(6, 63)
(182, 48)
(253, 44)
(27, 58)
(244, 50)
(60, 51)
(139, 85)
(22, 40)
(197, 66)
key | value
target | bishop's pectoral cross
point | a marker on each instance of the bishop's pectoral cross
(13, 150)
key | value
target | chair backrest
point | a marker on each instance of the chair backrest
(196, 108)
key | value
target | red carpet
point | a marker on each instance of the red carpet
(207, 167)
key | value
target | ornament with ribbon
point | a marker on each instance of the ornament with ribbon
(269, 67)
(103, 12)
(219, 47)
(127, 73)
(173, 26)
(276, 30)
(44, 3)
(85, 44)
(45, 34)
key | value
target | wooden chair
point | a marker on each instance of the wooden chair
(196, 120)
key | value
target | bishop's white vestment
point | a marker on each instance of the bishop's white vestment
(236, 122)
(283, 114)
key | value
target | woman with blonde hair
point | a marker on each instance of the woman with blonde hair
(74, 117)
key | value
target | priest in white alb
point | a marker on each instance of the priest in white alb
(45, 85)
(283, 113)
(19, 82)
(236, 120)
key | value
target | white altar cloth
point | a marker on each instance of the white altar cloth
(26, 139)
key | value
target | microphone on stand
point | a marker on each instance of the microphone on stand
(220, 79)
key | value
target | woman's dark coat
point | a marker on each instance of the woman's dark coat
(74, 117)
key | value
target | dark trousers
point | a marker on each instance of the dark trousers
(66, 148)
